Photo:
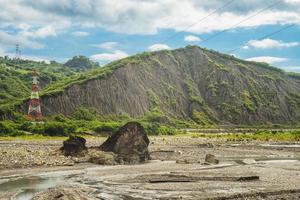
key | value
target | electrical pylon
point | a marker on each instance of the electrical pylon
(18, 52)
(34, 109)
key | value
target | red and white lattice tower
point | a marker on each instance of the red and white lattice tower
(34, 109)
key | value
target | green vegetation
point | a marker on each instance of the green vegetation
(294, 75)
(58, 128)
(154, 99)
(35, 137)
(201, 118)
(71, 126)
(15, 79)
(247, 102)
(192, 94)
(160, 129)
(83, 113)
(289, 136)
(8, 129)
(81, 63)
(219, 66)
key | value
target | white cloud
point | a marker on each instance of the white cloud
(192, 38)
(107, 45)
(267, 59)
(269, 43)
(80, 33)
(8, 40)
(108, 57)
(293, 1)
(36, 58)
(42, 32)
(158, 47)
(246, 47)
(146, 17)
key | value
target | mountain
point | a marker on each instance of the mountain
(191, 83)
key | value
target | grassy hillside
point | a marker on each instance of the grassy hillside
(16, 77)
(191, 86)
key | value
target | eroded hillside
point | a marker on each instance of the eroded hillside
(189, 83)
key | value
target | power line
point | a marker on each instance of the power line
(242, 21)
(266, 36)
(202, 19)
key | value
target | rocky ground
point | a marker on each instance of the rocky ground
(178, 170)
(32, 153)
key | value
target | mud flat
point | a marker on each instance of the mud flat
(251, 170)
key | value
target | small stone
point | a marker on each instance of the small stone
(249, 161)
(184, 161)
(101, 157)
(211, 159)
(206, 145)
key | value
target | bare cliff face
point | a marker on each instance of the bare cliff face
(189, 83)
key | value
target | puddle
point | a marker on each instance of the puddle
(26, 187)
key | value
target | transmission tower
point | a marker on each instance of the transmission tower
(34, 109)
(18, 52)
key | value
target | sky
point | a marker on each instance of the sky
(107, 30)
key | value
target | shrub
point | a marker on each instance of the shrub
(84, 114)
(151, 128)
(60, 118)
(26, 126)
(158, 129)
(7, 128)
(156, 116)
(165, 130)
(107, 128)
(38, 128)
(55, 129)
(296, 135)
(58, 128)
(80, 63)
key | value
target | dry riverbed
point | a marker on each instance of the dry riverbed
(252, 170)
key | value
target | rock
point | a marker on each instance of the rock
(182, 161)
(187, 161)
(130, 143)
(74, 146)
(206, 145)
(211, 159)
(65, 193)
(101, 157)
(249, 161)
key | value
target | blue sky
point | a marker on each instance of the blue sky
(106, 30)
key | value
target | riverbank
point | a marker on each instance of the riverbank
(177, 170)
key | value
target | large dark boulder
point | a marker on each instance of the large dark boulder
(130, 143)
(74, 146)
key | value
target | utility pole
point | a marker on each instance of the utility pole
(34, 109)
